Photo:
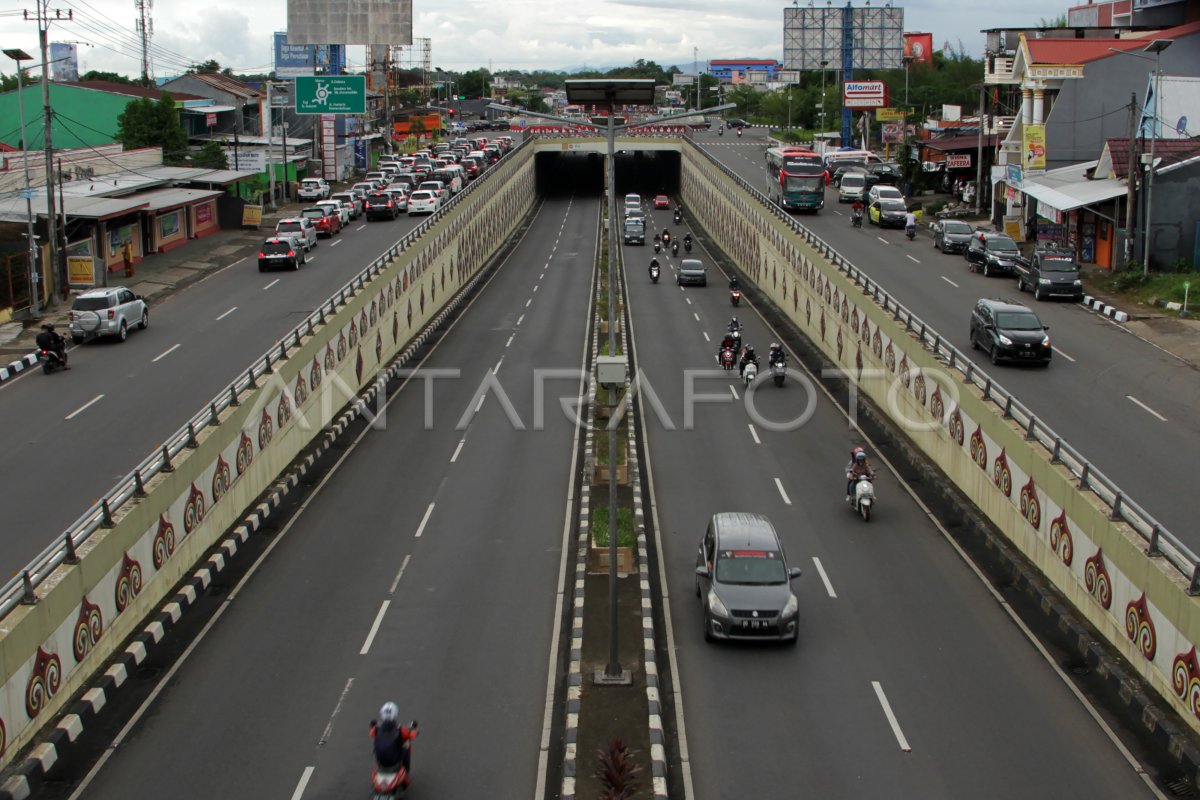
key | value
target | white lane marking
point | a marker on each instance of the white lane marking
(837, 212)
(527, 302)
(689, 300)
(424, 519)
(479, 405)
(1145, 407)
(824, 578)
(84, 407)
(303, 784)
(535, 287)
(509, 342)
(733, 391)
(697, 316)
(235, 263)
(887, 710)
(360, 227)
(754, 434)
(1064, 355)
(226, 314)
(782, 493)
(457, 450)
(543, 274)
(910, 258)
(880, 238)
(335, 244)
(329, 728)
(496, 368)
(952, 283)
(272, 283)
(399, 575)
(366, 648)
(520, 319)
(706, 336)
(165, 353)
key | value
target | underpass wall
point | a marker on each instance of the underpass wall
(1138, 603)
(50, 650)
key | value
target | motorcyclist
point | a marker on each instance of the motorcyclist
(657, 238)
(734, 284)
(776, 355)
(390, 738)
(857, 209)
(910, 223)
(687, 240)
(748, 356)
(720, 131)
(857, 467)
(734, 326)
(666, 236)
(727, 343)
(49, 339)
(675, 247)
(654, 266)
(739, 133)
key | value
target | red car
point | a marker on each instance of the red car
(326, 223)
(661, 201)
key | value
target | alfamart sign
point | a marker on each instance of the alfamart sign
(864, 94)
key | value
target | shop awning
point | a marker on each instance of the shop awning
(161, 199)
(208, 109)
(1068, 188)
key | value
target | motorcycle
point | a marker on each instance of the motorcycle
(388, 783)
(737, 340)
(720, 131)
(735, 296)
(687, 245)
(654, 274)
(863, 498)
(749, 373)
(739, 133)
(51, 361)
(911, 232)
(727, 358)
(678, 216)
(657, 247)
(856, 218)
(778, 371)
(675, 247)
(666, 237)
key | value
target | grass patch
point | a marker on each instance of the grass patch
(1132, 286)
(604, 345)
(601, 445)
(625, 534)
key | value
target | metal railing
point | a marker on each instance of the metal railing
(1160, 542)
(63, 550)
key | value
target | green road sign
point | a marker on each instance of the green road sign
(331, 94)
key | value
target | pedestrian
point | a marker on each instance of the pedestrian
(127, 257)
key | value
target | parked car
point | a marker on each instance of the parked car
(422, 201)
(299, 228)
(744, 582)
(691, 270)
(314, 189)
(111, 311)
(951, 235)
(992, 253)
(887, 174)
(1009, 332)
(326, 222)
(1050, 273)
(887, 212)
(280, 251)
(336, 207)
(381, 205)
(352, 201)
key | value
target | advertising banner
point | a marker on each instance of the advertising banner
(1013, 175)
(889, 115)
(958, 160)
(294, 60)
(864, 94)
(251, 216)
(893, 132)
(1033, 147)
(919, 47)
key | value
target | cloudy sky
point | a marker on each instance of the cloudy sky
(500, 34)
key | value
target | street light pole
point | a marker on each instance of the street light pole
(18, 56)
(823, 65)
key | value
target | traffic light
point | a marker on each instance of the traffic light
(452, 112)
(462, 97)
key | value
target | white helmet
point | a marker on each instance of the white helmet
(389, 714)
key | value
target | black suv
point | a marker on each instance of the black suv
(736, 123)
(280, 252)
(1050, 273)
(1009, 331)
(992, 253)
(380, 205)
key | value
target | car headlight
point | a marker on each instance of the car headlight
(791, 607)
(715, 605)
(1045, 341)
(1078, 282)
(1044, 281)
(1004, 340)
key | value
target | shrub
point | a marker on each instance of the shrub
(625, 534)
(617, 772)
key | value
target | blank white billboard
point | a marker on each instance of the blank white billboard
(349, 22)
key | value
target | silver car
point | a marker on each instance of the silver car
(107, 312)
(691, 270)
(300, 229)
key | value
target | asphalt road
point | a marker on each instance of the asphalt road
(1125, 404)
(888, 609)
(70, 436)
(424, 571)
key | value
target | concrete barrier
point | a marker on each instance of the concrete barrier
(122, 570)
(1079, 541)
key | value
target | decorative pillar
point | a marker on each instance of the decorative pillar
(1026, 106)
(1039, 98)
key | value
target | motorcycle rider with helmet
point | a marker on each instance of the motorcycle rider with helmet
(49, 339)
(858, 467)
(748, 356)
(734, 326)
(391, 739)
(653, 266)
(776, 355)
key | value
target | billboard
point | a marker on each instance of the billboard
(682, 79)
(919, 47)
(814, 35)
(889, 114)
(1033, 147)
(350, 21)
(64, 62)
(293, 60)
(864, 94)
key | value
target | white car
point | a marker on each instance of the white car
(107, 312)
(300, 229)
(422, 201)
(363, 188)
(438, 188)
(399, 193)
(339, 208)
(882, 191)
(352, 201)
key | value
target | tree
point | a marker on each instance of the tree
(113, 77)
(476, 83)
(8, 83)
(211, 156)
(206, 66)
(146, 123)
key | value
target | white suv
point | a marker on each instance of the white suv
(299, 229)
(107, 312)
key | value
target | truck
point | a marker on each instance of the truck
(313, 189)
(1050, 272)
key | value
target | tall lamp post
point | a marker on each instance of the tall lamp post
(18, 55)
(1156, 47)
(824, 64)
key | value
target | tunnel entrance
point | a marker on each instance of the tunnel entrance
(646, 172)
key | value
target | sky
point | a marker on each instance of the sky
(494, 34)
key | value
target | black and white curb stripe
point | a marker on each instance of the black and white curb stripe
(20, 365)
(30, 774)
(1105, 309)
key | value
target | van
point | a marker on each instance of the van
(635, 230)
(853, 187)
(743, 581)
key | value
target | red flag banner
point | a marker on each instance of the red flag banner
(919, 46)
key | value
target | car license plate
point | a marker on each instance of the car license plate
(754, 624)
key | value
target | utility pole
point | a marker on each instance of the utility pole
(979, 155)
(145, 29)
(35, 299)
(44, 16)
(271, 144)
(1131, 179)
